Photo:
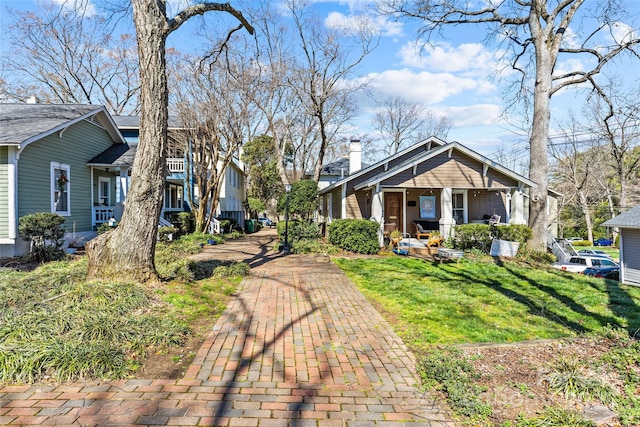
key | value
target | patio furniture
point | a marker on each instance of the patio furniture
(448, 254)
(425, 228)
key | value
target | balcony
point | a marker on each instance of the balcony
(175, 165)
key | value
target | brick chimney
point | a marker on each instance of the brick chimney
(355, 156)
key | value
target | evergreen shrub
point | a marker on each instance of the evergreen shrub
(355, 235)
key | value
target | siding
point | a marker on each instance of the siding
(78, 144)
(4, 193)
(631, 253)
(336, 209)
(357, 206)
(458, 171)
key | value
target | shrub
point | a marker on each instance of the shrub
(43, 228)
(480, 236)
(581, 243)
(227, 225)
(355, 235)
(314, 246)
(104, 227)
(234, 269)
(45, 231)
(513, 233)
(184, 222)
(472, 236)
(165, 234)
(299, 230)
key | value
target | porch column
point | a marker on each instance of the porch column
(123, 181)
(12, 192)
(343, 201)
(376, 211)
(123, 186)
(517, 208)
(446, 212)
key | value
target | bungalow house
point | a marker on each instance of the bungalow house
(44, 151)
(437, 183)
(628, 225)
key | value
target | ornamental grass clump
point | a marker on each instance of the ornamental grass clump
(55, 326)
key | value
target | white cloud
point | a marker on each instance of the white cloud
(473, 115)
(83, 7)
(622, 32)
(425, 87)
(469, 58)
(377, 24)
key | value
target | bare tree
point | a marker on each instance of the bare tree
(214, 110)
(128, 251)
(535, 32)
(573, 168)
(402, 123)
(68, 55)
(614, 118)
(328, 58)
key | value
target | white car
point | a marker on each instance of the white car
(577, 264)
(593, 252)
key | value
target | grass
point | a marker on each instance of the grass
(483, 301)
(480, 300)
(56, 325)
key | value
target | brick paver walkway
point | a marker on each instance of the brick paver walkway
(298, 345)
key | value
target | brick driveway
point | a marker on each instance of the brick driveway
(298, 346)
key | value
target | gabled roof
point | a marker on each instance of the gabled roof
(433, 148)
(628, 219)
(22, 124)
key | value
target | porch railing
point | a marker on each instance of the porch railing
(175, 165)
(102, 214)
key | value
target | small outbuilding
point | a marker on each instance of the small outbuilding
(628, 224)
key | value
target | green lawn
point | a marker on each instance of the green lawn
(484, 301)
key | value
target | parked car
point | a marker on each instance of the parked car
(608, 272)
(577, 264)
(603, 241)
(574, 239)
(593, 252)
(266, 222)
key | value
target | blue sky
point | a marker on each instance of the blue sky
(455, 76)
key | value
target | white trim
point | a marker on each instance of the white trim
(67, 169)
(101, 180)
(343, 207)
(7, 241)
(465, 204)
(113, 131)
(12, 192)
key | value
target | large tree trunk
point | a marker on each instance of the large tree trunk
(539, 162)
(127, 253)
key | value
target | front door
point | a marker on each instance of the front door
(393, 211)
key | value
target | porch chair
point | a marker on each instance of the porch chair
(494, 220)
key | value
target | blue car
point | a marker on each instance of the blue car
(602, 242)
(605, 272)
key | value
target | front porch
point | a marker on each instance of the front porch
(437, 209)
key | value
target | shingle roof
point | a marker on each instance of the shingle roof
(116, 155)
(20, 123)
(628, 219)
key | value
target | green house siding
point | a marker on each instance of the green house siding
(77, 144)
(4, 193)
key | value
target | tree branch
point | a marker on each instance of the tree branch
(201, 9)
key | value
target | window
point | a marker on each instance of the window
(60, 189)
(459, 209)
(104, 194)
